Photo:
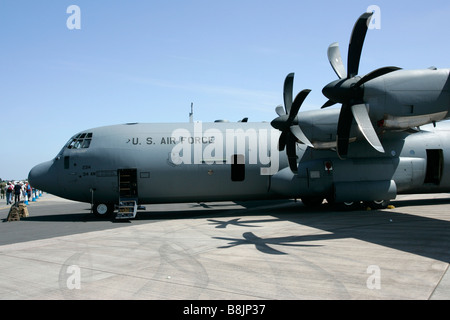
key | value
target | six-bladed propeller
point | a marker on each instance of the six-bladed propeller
(348, 90)
(287, 122)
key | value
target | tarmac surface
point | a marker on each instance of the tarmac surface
(269, 250)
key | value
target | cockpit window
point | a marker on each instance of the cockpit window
(80, 141)
(86, 143)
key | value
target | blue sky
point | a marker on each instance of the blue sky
(146, 61)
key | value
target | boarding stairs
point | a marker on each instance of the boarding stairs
(128, 194)
(127, 209)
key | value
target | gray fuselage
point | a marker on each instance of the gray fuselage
(199, 162)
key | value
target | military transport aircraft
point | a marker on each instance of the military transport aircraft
(367, 151)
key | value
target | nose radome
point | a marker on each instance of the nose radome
(42, 177)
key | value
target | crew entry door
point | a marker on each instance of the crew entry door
(128, 188)
(435, 163)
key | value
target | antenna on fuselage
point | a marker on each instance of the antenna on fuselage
(191, 114)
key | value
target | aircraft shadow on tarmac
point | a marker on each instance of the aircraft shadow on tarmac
(415, 234)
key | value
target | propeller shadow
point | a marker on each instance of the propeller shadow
(263, 244)
(395, 229)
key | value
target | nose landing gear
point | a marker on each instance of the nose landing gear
(103, 210)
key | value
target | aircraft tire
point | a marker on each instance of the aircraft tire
(377, 205)
(312, 201)
(348, 206)
(103, 210)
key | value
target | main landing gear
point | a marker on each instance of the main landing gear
(314, 202)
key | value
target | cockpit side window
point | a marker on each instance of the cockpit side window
(86, 143)
(80, 141)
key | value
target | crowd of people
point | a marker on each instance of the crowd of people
(17, 190)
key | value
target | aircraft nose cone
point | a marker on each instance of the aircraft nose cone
(42, 178)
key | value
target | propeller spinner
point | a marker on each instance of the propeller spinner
(287, 122)
(349, 91)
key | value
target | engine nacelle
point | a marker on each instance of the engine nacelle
(408, 98)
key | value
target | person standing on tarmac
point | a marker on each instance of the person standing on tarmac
(17, 192)
(28, 190)
(9, 191)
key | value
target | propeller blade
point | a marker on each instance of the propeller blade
(343, 130)
(280, 111)
(356, 44)
(287, 92)
(282, 140)
(334, 56)
(298, 133)
(327, 104)
(291, 153)
(365, 126)
(301, 96)
(375, 74)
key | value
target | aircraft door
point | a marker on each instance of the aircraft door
(435, 160)
(128, 187)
